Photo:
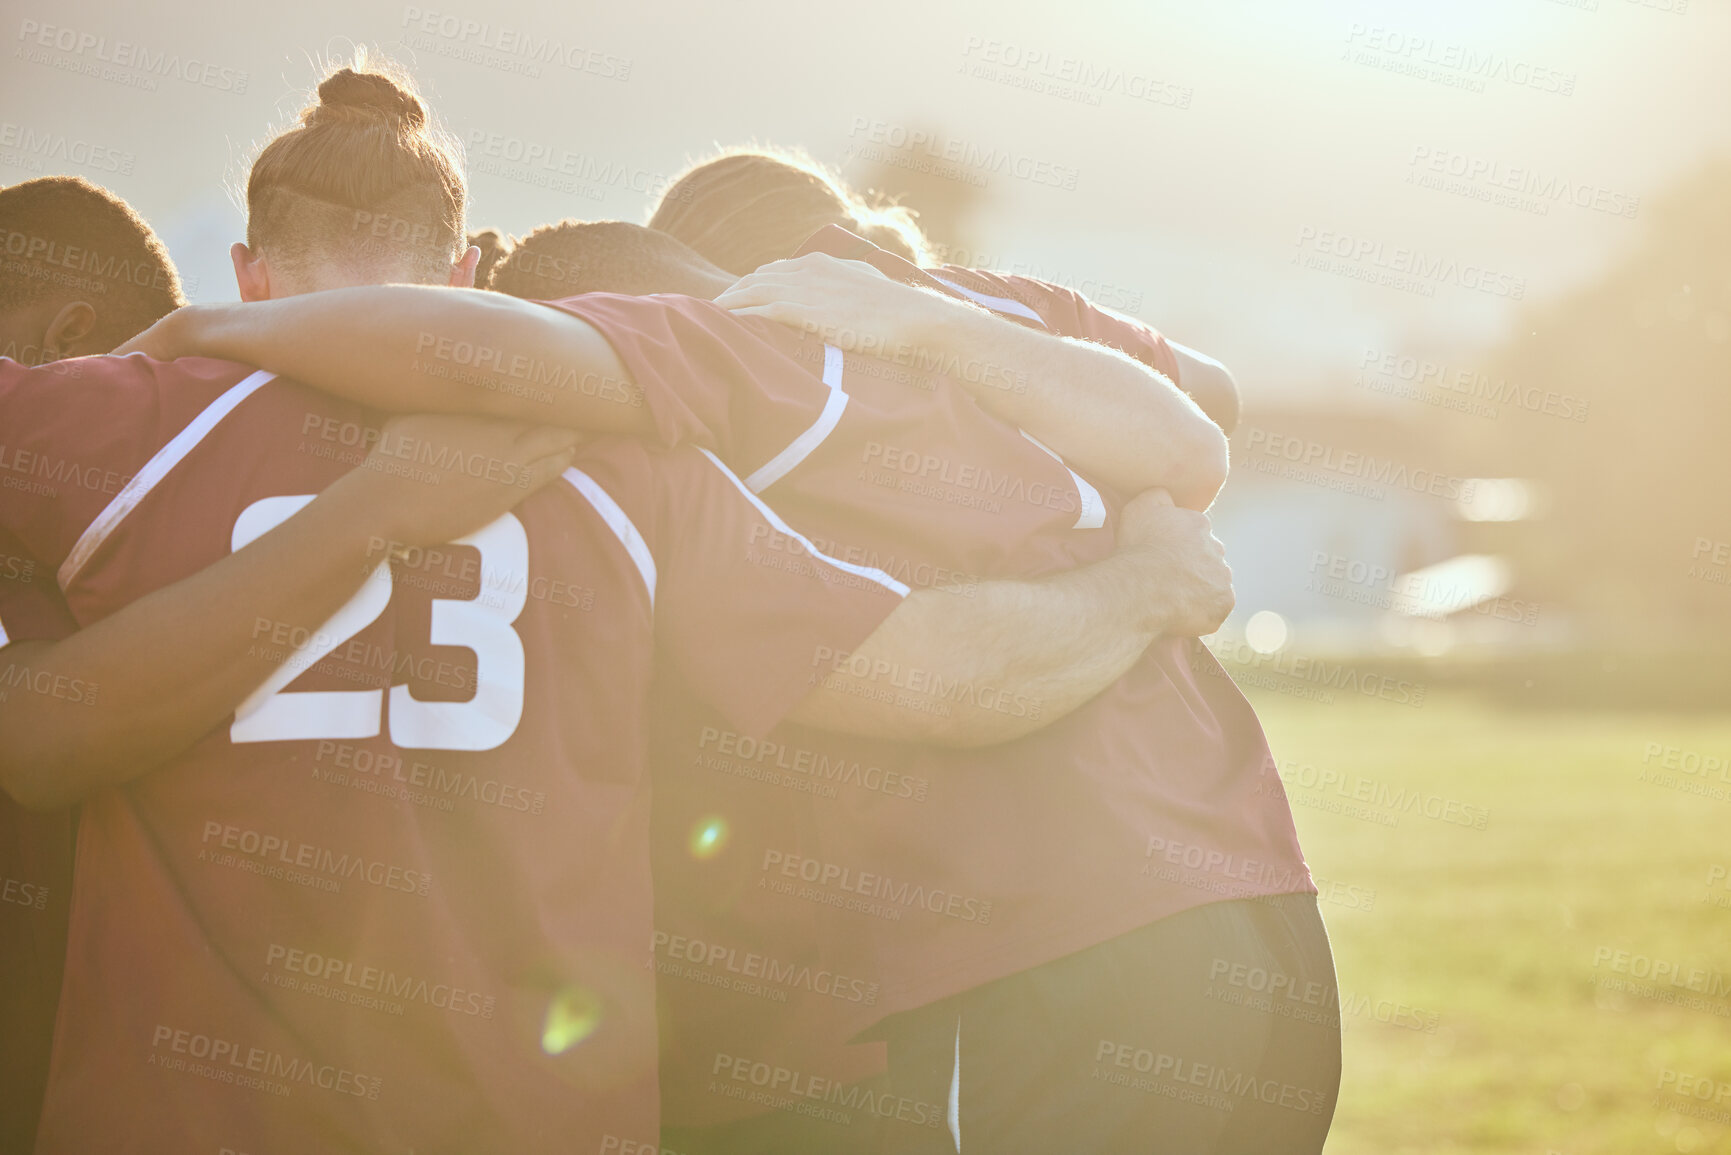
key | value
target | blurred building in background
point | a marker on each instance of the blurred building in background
(1567, 489)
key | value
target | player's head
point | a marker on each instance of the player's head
(362, 190)
(493, 246)
(80, 271)
(571, 257)
(749, 206)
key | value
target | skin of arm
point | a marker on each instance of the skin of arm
(169, 667)
(419, 349)
(1047, 646)
(1098, 408)
(405, 348)
(1210, 383)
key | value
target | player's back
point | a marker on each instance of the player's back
(402, 901)
(991, 861)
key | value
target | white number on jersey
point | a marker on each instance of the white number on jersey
(483, 626)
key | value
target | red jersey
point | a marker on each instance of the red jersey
(402, 901)
(1027, 300)
(863, 877)
(35, 860)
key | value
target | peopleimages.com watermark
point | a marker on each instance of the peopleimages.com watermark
(80, 267)
(1664, 980)
(308, 864)
(23, 892)
(770, 546)
(41, 475)
(1406, 270)
(1704, 775)
(122, 62)
(22, 678)
(505, 48)
(253, 1068)
(914, 687)
(937, 153)
(730, 967)
(1418, 594)
(543, 164)
(800, 768)
(33, 149)
(367, 986)
(1099, 292)
(1065, 77)
(1369, 474)
(813, 1096)
(1710, 562)
(1211, 1085)
(406, 778)
(1274, 992)
(415, 457)
(1718, 879)
(1521, 187)
(1463, 389)
(1699, 1096)
(877, 349)
(1449, 63)
(1367, 798)
(1298, 675)
(1232, 876)
(865, 891)
(519, 374)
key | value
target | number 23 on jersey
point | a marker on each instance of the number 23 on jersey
(484, 626)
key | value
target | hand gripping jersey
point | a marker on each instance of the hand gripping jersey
(401, 902)
(860, 878)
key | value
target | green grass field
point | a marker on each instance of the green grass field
(1511, 1038)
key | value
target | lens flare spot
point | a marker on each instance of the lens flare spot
(1265, 631)
(573, 1016)
(708, 838)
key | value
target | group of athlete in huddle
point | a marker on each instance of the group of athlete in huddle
(731, 685)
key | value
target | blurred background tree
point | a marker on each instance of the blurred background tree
(1634, 489)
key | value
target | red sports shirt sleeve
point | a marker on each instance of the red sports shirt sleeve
(750, 613)
(76, 432)
(742, 386)
(1025, 299)
(1070, 314)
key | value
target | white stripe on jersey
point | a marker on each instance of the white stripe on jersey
(4, 639)
(1000, 304)
(620, 523)
(154, 471)
(800, 448)
(1093, 514)
(954, 1115)
(774, 519)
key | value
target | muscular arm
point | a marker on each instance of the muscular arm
(417, 349)
(1006, 658)
(1101, 410)
(155, 677)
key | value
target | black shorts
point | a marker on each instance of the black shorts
(1215, 1030)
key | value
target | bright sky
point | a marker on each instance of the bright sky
(1213, 151)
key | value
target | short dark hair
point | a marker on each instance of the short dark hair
(495, 246)
(62, 237)
(572, 257)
